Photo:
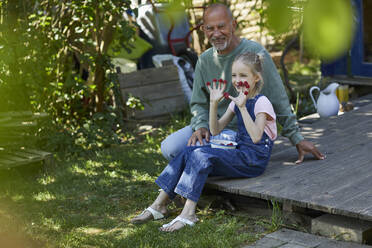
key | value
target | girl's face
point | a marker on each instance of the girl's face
(242, 73)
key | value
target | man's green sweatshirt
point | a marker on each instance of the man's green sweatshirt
(211, 65)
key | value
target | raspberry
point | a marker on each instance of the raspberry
(230, 144)
(245, 92)
(208, 83)
(214, 80)
(246, 84)
(226, 95)
(240, 83)
(220, 80)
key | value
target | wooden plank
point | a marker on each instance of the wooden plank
(367, 211)
(12, 161)
(358, 206)
(162, 107)
(6, 162)
(352, 80)
(154, 91)
(38, 152)
(318, 191)
(12, 133)
(158, 89)
(12, 158)
(18, 124)
(16, 114)
(277, 173)
(27, 155)
(148, 76)
(326, 127)
(322, 185)
(287, 176)
(337, 202)
(4, 119)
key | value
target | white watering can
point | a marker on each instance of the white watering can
(327, 103)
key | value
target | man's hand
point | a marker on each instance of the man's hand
(304, 147)
(198, 135)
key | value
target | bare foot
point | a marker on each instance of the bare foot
(146, 215)
(179, 224)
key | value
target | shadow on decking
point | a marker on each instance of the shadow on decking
(340, 184)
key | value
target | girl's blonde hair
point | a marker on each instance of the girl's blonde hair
(255, 62)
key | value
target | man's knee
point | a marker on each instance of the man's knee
(175, 142)
(167, 150)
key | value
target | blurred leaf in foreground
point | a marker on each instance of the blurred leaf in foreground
(328, 27)
(279, 15)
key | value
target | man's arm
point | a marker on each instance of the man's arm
(199, 103)
(275, 91)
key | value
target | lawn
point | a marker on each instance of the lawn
(88, 200)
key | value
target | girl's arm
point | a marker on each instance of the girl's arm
(216, 94)
(255, 128)
(216, 126)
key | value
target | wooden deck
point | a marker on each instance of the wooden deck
(340, 184)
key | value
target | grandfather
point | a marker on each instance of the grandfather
(215, 63)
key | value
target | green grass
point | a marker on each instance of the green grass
(88, 202)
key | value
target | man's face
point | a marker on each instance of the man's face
(218, 28)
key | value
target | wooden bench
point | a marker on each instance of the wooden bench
(158, 89)
(15, 129)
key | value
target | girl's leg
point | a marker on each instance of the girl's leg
(160, 205)
(188, 213)
(177, 141)
(170, 176)
(167, 181)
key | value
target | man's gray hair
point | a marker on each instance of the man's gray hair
(218, 5)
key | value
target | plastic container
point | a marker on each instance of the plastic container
(223, 144)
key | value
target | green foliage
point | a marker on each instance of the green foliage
(302, 77)
(54, 59)
(279, 15)
(17, 57)
(328, 26)
(85, 137)
(276, 217)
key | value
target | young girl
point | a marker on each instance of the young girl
(187, 173)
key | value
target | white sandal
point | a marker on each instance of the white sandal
(155, 214)
(180, 219)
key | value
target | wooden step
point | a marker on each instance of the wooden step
(23, 157)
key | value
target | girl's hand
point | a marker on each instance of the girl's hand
(243, 96)
(216, 90)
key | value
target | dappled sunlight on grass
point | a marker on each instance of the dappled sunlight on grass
(17, 197)
(50, 224)
(83, 171)
(136, 176)
(44, 196)
(46, 180)
(90, 230)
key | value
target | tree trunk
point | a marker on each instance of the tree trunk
(99, 81)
